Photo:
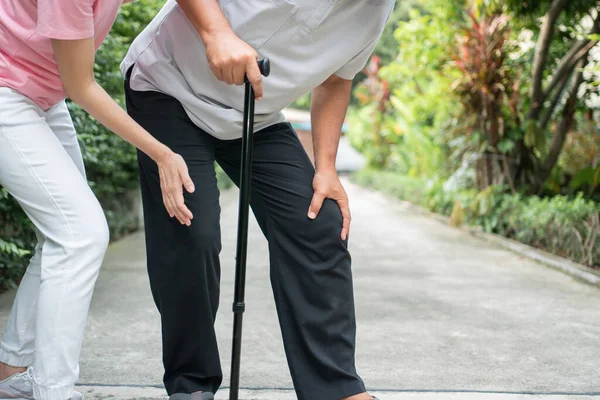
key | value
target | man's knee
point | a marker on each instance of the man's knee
(329, 220)
(324, 230)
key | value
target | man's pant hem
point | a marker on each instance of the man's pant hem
(335, 392)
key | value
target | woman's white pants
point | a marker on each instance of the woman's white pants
(41, 166)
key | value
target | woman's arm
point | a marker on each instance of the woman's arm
(229, 57)
(75, 59)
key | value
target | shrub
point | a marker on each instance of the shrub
(16, 240)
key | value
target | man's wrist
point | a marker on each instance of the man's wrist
(214, 32)
(325, 166)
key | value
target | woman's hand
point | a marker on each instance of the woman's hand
(173, 177)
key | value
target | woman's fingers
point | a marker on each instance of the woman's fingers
(173, 177)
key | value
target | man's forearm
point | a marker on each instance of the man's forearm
(230, 58)
(206, 16)
(328, 110)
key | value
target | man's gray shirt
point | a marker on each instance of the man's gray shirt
(306, 41)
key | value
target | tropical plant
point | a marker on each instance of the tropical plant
(488, 90)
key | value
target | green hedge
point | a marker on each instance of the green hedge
(17, 240)
(565, 226)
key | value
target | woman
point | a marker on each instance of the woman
(47, 52)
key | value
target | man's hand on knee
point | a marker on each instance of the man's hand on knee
(327, 185)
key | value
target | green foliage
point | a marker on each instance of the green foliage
(537, 8)
(464, 88)
(405, 104)
(223, 181)
(568, 226)
(387, 48)
(17, 240)
(578, 168)
(303, 102)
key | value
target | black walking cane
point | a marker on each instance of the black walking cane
(242, 239)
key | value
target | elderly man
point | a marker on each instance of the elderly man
(183, 76)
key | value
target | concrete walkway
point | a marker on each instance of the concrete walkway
(442, 315)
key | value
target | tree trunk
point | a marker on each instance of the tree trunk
(541, 55)
(563, 128)
(555, 100)
(524, 173)
(568, 62)
(521, 153)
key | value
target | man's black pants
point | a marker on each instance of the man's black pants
(310, 264)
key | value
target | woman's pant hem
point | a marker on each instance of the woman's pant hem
(15, 360)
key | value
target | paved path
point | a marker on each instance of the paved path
(442, 315)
